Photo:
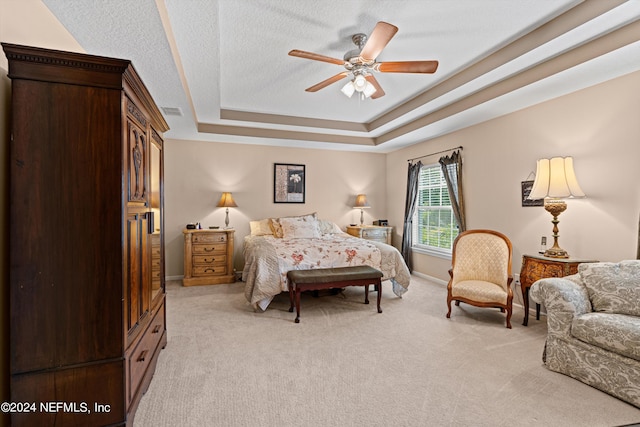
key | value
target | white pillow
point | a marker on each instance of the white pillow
(328, 227)
(261, 227)
(301, 227)
(276, 228)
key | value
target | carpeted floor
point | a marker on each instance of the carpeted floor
(347, 365)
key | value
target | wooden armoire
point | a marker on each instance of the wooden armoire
(86, 275)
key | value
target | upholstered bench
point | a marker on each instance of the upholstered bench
(327, 278)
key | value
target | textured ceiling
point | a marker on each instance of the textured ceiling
(224, 63)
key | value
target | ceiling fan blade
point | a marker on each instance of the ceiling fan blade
(315, 57)
(407, 67)
(382, 33)
(327, 82)
(379, 92)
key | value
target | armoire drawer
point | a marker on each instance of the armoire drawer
(139, 359)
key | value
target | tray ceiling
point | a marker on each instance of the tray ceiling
(221, 71)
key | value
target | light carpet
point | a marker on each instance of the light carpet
(347, 365)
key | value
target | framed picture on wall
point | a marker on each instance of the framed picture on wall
(288, 183)
(526, 190)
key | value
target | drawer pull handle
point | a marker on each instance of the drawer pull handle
(209, 270)
(209, 259)
(142, 356)
(208, 249)
(156, 329)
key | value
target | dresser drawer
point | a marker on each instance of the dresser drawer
(374, 234)
(209, 270)
(139, 359)
(210, 238)
(155, 245)
(213, 248)
(212, 259)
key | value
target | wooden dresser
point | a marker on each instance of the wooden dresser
(86, 277)
(376, 233)
(536, 267)
(208, 257)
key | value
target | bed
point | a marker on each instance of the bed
(277, 245)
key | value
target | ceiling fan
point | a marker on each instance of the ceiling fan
(360, 63)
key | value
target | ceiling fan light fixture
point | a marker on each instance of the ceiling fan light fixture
(348, 89)
(360, 83)
(369, 90)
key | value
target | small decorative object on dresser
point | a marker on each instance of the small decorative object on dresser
(535, 267)
(372, 232)
(208, 257)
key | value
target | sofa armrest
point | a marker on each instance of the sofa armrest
(564, 299)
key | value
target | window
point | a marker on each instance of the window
(434, 225)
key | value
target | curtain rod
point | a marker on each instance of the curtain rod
(439, 152)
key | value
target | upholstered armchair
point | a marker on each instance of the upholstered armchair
(481, 271)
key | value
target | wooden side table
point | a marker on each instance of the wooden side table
(208, 257)
(535, 267)
(378, 233)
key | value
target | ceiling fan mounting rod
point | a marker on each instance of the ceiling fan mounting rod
(359, 40)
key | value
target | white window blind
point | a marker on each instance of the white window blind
(434, 225)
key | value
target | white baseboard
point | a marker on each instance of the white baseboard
(173, 277)
(430, 278)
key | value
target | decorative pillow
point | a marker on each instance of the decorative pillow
(301, 227)
(613, 287)
(261, 227)
(276, 227)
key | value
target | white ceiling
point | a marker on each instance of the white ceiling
(224, 63)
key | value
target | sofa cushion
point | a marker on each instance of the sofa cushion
(613, 287)
(617, 333)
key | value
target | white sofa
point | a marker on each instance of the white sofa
(593, 320)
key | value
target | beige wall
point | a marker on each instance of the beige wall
(598, 126)
(196, 173)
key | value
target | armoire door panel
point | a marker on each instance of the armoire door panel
(137, 159)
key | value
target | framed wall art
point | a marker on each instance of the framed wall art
(526, 190)
(288, 183)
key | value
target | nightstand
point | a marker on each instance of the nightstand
(208, 257)
(376, 233)
(535, 267)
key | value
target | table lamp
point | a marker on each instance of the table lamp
(555, 180)
(226, 201)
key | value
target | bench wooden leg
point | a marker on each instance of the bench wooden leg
(366, 294)
(297, 304)
(291, 285)
(379, 289)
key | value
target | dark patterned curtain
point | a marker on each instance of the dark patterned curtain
(413, 176)
(452, 171)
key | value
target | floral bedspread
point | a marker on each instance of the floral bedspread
(268, 259)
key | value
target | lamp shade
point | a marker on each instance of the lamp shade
(226, 201)
(556, 179)
(361, 202)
